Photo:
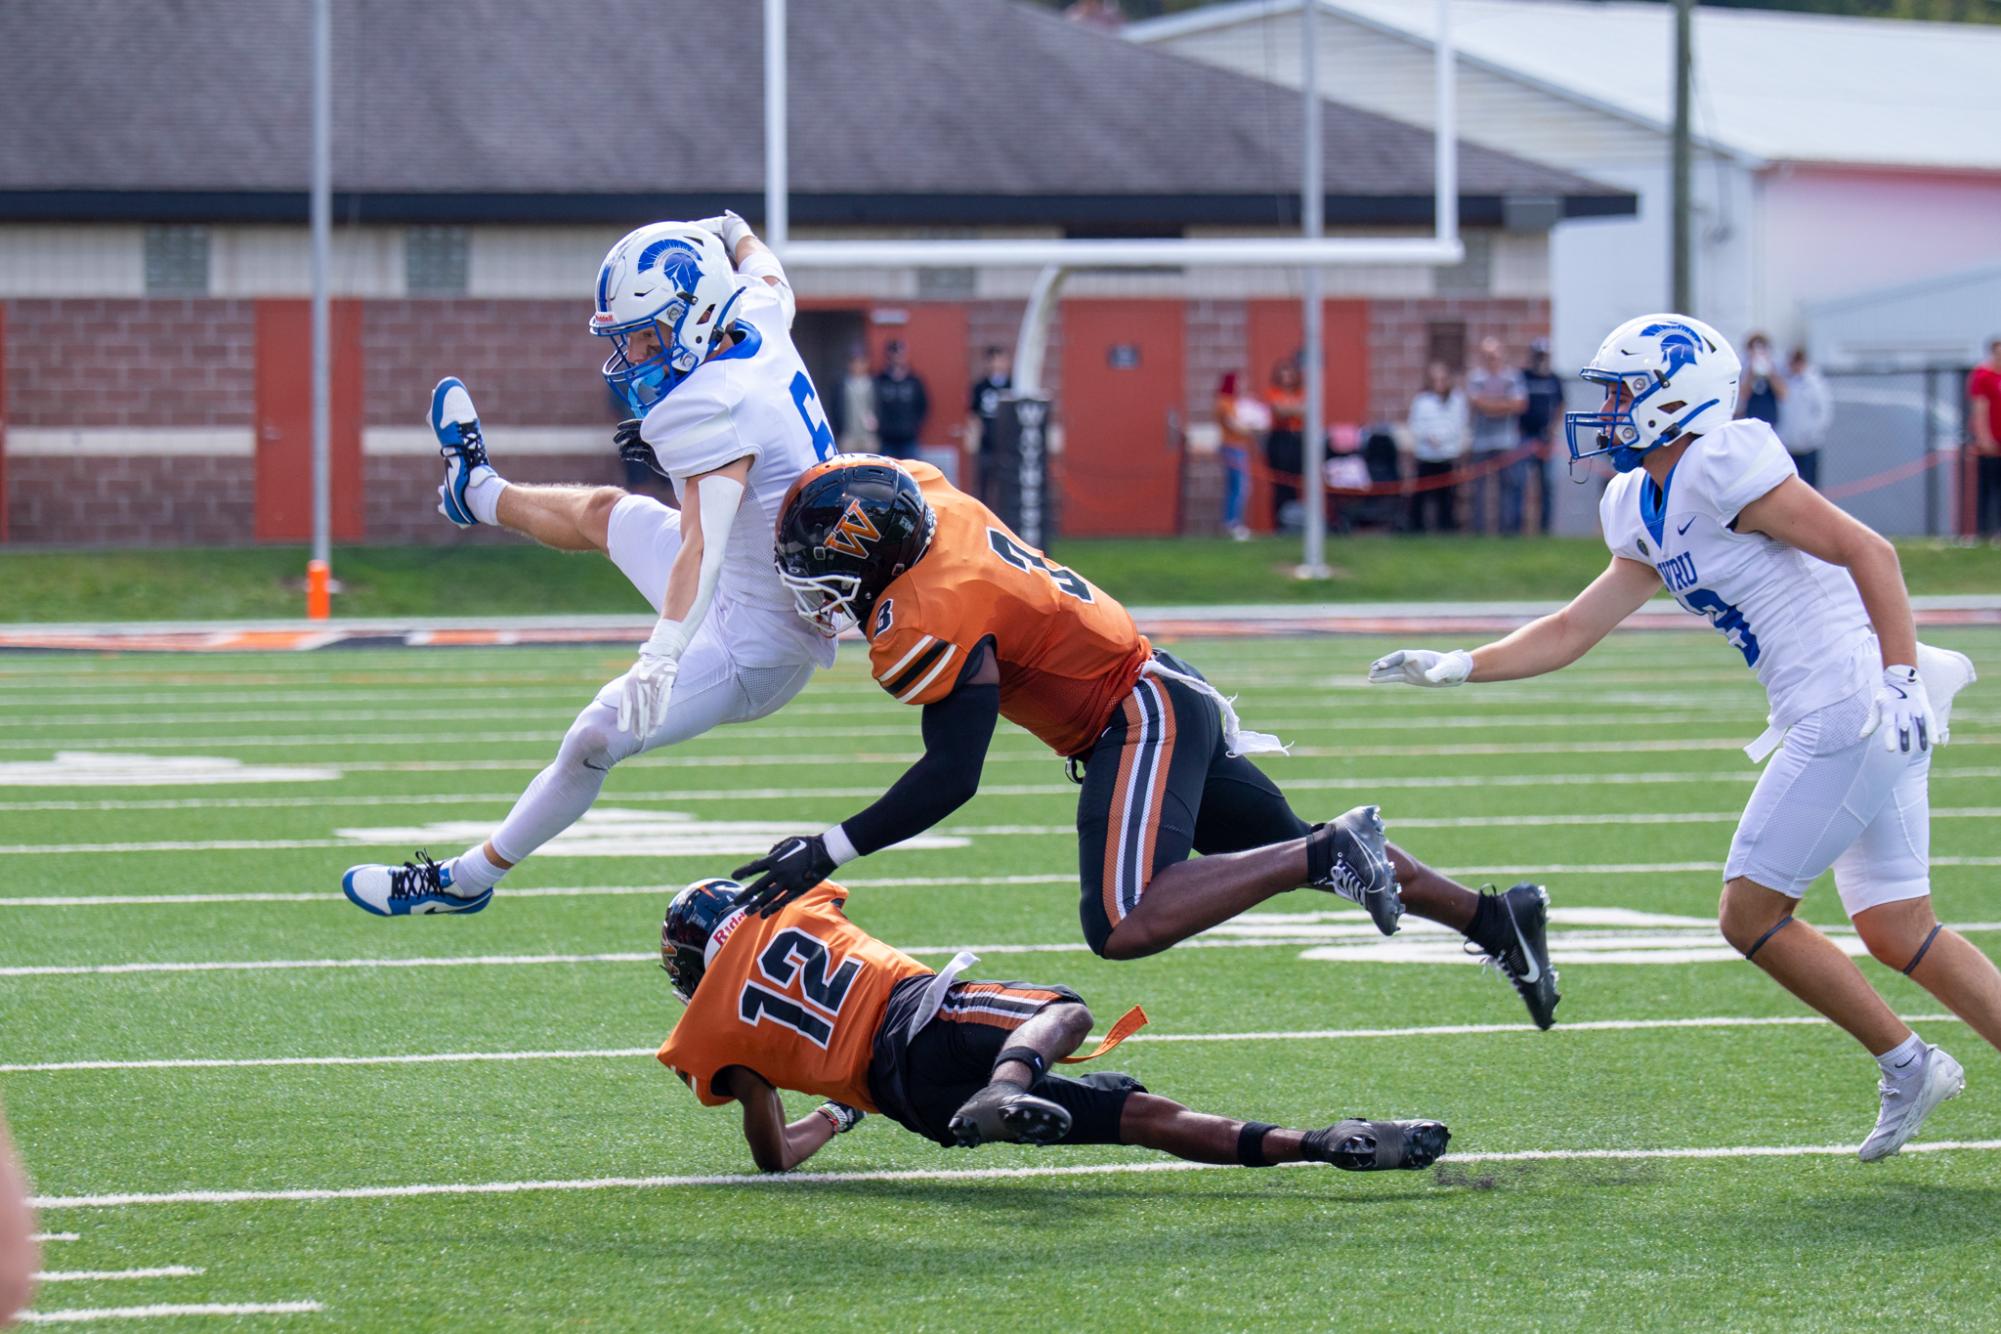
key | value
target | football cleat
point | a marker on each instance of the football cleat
(1907, 1102)
(1358, 865)
(1007, 1114)
(1520, 949)
(412, 889)
(456, 424)
(1377, 1146)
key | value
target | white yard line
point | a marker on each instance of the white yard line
(1279, 937)
(1361, 782)
(634, 1053)
(797, 1179)
(109, 1275)
(53, 1236)
(166, 1312)
(1735, 741)
(540, 892)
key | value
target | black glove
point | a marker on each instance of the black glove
(844, 1117)
(790, 869)
(634, 450)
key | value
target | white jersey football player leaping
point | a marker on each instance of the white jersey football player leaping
(700, 316)
(1815, 602)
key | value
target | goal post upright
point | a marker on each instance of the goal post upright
(1310, 252)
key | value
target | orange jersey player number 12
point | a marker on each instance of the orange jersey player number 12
(795, 955)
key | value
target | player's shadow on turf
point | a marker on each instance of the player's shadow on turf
(1906, 1215)
(1035, 1199)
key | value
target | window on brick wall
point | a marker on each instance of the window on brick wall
(1474, 275)
(434, 261)
(1445, 340)
(177, 261)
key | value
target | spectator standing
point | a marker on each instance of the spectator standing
(1540, 421)
(1806, 411)
(858, 420)
(1438, 430)
(900, 404)
(1243, 419)
(1285, 445)
(1762, 389)
(19, 1256)
(1497, 397)
(980, 414)
(1983, 404)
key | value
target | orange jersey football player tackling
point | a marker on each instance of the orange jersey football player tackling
(803, 999)
(971, 624)
(1066, 653)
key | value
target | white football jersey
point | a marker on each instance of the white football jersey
(1797, 620)
(754, 399)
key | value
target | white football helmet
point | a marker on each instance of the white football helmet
(677, 278)
(1679, 377)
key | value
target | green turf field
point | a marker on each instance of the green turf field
(578, 1184)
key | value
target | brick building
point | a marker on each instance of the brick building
(153, 258)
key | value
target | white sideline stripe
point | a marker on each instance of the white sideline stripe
(164, 1312)
(631, 1053)
(794, 1179)
(1360, 782)
(107, 1275)
(53, 1236)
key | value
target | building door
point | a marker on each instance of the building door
(1121, 410)
(284, 406)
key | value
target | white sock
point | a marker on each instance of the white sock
(1905, 1059)
(483, 495)
(473, 872)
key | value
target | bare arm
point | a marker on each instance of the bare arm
(1799, 516)
(1562, 637)
(774, 1145)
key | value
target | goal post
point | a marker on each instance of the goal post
(1308, 252)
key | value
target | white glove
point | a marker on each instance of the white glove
(1421, 667)
(729, 227)
(643, 701)
(1904, 711)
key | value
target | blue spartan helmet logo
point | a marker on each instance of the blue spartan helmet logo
(1679, 345)
(680, 264)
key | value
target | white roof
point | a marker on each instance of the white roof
(1777, 86)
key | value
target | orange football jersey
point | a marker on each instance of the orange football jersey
(796, 997)
(1067, 654)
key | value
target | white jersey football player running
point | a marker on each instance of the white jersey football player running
(700, 318)
(1814, 601)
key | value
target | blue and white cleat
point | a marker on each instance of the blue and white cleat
(456, 424)
(412, 889)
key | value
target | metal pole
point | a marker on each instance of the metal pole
(777, 216)
(1682, 258)
(322, 225)
(1312, 200)
(1445, 129)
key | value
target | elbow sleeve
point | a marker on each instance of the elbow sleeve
(957, 731)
